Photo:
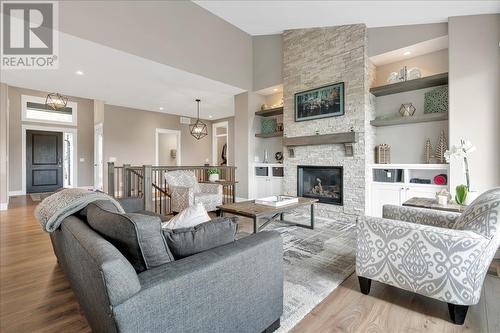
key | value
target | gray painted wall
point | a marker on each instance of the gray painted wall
(474, 96)
(267, 61)
(176, 33)
(384, 39)
(4, 145)
(129, 136)
(85, 137)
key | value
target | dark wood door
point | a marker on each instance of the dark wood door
(44, 161)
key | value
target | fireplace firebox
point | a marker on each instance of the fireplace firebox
(321, 182)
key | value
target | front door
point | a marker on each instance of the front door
(44, 155)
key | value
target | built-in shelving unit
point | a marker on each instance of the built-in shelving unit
(270, 112)
(424, 82)
(410, 120)
(269, 135)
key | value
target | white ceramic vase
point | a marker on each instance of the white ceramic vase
(213, 177)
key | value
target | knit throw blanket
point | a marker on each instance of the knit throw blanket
(54, 209)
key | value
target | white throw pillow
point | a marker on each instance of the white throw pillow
(189, 217)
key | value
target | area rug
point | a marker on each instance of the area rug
(315, 263)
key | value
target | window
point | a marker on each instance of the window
(35, 110)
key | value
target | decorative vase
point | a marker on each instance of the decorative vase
(213, 177)
(471, 196)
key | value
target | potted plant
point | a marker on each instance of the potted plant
(213, 174)
(464, 194)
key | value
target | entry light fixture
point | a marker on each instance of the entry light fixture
(56, 101)
(407, 53)
(199, 128)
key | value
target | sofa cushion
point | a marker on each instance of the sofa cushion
(104, 204)
(138, 237)
(483, 215)
(205, 236)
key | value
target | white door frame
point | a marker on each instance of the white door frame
(224, 124)
(98, 127)
(74, 131)
(157, 144)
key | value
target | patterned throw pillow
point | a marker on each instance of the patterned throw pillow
(436, 100)
(482, 216)
(183, 178)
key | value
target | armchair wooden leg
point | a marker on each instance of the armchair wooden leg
(458, 313)
(364, 284)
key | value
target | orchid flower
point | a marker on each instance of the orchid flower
(461, 151)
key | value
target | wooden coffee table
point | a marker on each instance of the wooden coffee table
(269, 214)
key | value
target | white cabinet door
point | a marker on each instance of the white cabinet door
(262, 187)
(383, 194)
(276, 186)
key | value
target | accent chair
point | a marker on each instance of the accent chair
(433, 253)
(185, 191)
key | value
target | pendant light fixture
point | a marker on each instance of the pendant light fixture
(199, 128)
(56, 101)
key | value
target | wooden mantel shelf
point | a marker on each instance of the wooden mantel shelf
(342, 138)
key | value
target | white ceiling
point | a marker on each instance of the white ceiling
(120, 78)
(271, 17)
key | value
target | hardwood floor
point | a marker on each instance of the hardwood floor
(36, 297)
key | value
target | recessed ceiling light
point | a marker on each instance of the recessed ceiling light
(79, 72)
(407, 53)
(161, 108)
(275, 89)
(210, 117)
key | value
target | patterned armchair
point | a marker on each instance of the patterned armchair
(185, 191)
(437, 254)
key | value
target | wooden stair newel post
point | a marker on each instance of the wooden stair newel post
(148, 187)
(111, 179)
(126, 181)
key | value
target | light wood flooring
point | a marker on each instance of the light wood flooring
(36, 297)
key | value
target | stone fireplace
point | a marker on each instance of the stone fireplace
(321, 182)
(314, 58)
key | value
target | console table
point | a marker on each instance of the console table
(433, 204)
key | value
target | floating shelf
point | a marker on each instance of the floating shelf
(424, 82)
(269, 135)
(270, 112)
(410, 120)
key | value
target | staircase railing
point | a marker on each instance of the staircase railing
(148, 182)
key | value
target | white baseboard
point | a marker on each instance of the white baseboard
(4, 205)
(16, 193)
(239, 199)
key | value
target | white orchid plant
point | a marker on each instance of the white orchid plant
(460, 151)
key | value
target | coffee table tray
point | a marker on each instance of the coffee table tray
(277, 201)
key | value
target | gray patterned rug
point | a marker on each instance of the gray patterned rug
(315, 263)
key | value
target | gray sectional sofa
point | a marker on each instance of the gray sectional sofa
(237, 287)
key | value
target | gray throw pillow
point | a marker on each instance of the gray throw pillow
(138, 237)
(184, 242)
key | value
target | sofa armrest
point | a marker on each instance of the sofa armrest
(237, 287)
(421, 215)
(442, 263)
(211, 188)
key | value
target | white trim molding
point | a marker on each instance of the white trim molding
(15, 193)
(4, 206)
(35, 99)
(74, 158)
(157, 144)
(222, 124)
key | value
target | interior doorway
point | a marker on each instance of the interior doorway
(44, 161)
(168, 147)
(220, 143)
